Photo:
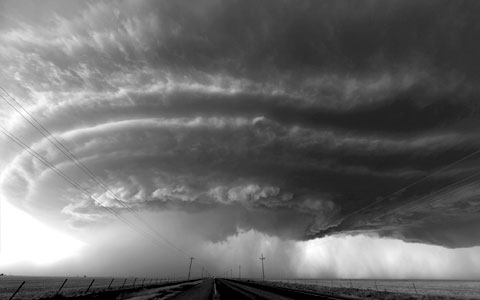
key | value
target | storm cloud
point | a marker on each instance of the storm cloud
(297, 119)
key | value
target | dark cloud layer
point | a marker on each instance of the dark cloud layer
(289, 117)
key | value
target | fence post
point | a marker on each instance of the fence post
(351, 285)
(134, 280)
(89, 286)
(61, 287)
(110, 284)
(124, 283)
(415, 288)
(143, 281)
(376, 285)
(331, 283)
(18, 289)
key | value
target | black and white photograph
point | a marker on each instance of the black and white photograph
(239, 149)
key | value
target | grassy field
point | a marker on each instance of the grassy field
(38, 287)
(390, 289)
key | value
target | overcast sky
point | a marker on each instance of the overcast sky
(339, 138)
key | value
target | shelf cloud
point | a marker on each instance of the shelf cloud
(295, 119)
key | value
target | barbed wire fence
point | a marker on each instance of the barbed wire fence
(13, 288)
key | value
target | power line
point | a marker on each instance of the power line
(62, 148)
(445, 190)
(413, 183)
(262, 258)
(190, 268)
(69, 180)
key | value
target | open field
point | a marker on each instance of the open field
(389, 289)
(39, 287)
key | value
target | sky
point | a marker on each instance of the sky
(338, 138)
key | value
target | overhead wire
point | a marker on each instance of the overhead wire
(63, 149)
(447, 190)
(456, 162)
(72, 182)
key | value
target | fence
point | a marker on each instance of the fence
(449, 288)
(19, 287)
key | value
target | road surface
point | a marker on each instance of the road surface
(202, 291)
(234, 289)
(212, 289)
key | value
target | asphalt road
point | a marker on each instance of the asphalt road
(226, 289)
(202, 291)
(232, 289)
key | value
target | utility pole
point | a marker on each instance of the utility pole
(262, 258)
(239, 272)
(190, 268)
